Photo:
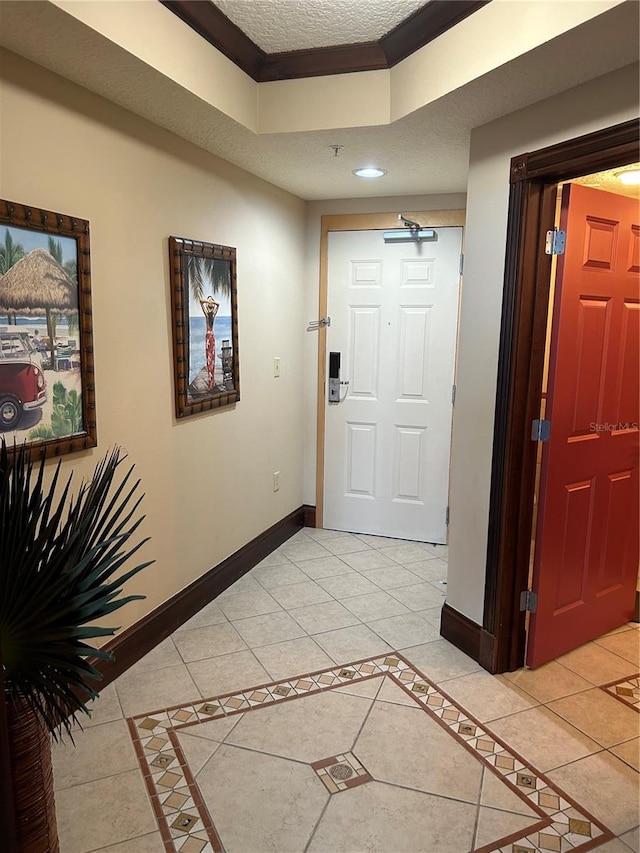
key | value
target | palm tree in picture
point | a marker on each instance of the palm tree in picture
(10, 253)
(203, 271)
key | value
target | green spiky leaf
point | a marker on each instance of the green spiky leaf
(62, 561)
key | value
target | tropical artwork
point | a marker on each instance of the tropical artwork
(41, 372)
(205, 308)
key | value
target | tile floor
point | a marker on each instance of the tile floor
(363, 730)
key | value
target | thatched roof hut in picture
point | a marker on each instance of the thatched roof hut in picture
(38, 283)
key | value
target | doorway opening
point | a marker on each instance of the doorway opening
(535, 178)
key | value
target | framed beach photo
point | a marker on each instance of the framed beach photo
(205, 325)
(47, 393)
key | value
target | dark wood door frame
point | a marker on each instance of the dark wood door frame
(534, 179)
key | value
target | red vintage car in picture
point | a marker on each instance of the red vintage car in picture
(22, 383)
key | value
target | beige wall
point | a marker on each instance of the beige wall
(316, 210)
(598, 104)
(208, 480)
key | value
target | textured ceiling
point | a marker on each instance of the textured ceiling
(280, 25)
(610, 181)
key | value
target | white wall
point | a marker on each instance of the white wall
(592, 106)
(316, 210)
(208, 479)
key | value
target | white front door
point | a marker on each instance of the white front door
(394, 311)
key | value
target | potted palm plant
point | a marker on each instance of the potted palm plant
(62, 566)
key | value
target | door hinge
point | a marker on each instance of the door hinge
(461, 263)
(453, 395)
(446, 518)
(540, 430)
(528, 601)
(555, 242)
(314, 325)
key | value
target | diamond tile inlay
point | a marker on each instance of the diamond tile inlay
(341, 772)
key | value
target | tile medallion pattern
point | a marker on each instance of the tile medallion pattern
(626, 690)
(186, 824)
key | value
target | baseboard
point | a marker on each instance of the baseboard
(309, 515)
(636, 613)
(134, 642)
(461, 631)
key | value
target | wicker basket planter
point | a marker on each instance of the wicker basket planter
(32, 775)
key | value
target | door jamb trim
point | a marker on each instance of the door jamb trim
(534, 178)
(355, 222)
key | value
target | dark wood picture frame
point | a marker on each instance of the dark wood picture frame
(46, 288)
(205, 331)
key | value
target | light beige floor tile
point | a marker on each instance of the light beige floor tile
(391, 577)
(351, 644)
(208, 642)
(269, 628)
(151, 843)
(320, 533)
(214, 730)
(300, 594)
(495, 794)
(632, 839)
(605, 786)
(324, 567)
(548, 682)
(404, 554)
(346, 586)
(273, 576)
(494, 824)
(252, 603)
(275, 558)
(599, 716)
(628, 626)
(420, 596)
(369, 689)
(164, 654)
(327, 616)
(293, 657)
(227, 673)
(433, 615)
(432, 569)
(345, 546)
(379, 818)
(441, 551)
(244, 584)
(486, 697)
(374, 605)
(404, 631)
(629, 752)
(280, 804)
(303, 550)
(380, 541)
(362, 561)
(307, 729)
(152, 691)
(626, 644)
(300, 535)
(209, 615)
(543, 738)
(197, 750)
(107, 811)
(391, 692)
(616, 845)
(104, 709)
(440, 660)
(597, 664)
(404, 746)
(99, 751)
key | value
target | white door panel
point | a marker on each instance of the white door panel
(393, 315)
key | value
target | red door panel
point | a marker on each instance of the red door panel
(586, 554)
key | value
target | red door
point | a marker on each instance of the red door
(586, 554)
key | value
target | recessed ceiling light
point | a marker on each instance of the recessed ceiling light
(369, 172)
(630, 176)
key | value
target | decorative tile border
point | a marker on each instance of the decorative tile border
(625, 690)
(341, 772)
(185, 822)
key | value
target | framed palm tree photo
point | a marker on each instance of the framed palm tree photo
(47, 392)
(205, 325)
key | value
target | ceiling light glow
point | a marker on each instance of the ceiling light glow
(630, 177)
(369, 172)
